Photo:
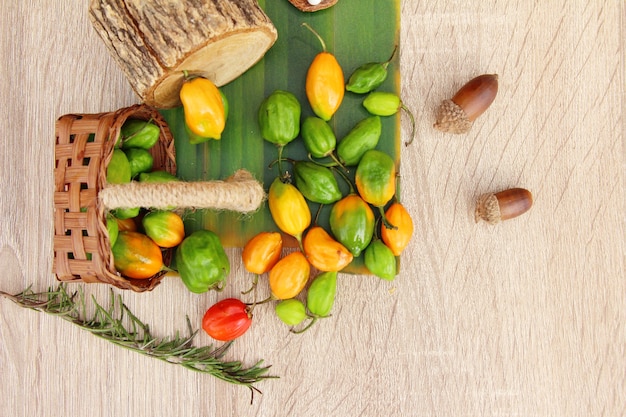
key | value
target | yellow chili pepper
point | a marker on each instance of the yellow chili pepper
(325, 86)
(289, 209)
(204, 108)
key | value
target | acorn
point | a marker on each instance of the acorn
(457, 115)
(508, 204)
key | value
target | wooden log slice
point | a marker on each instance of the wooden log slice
(153, 41)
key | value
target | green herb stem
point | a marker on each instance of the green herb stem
(109, 324)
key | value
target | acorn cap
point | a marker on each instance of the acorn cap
(451, 118)
(488, 209)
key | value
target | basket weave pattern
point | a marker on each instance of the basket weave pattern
(84, 146)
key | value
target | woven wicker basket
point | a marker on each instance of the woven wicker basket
(84, 146)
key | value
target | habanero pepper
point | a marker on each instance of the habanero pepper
(291, 312)
(317, 183)
(203, 106)
(324, 252)
(140, 160)
(380, 261)
(166, 228)
(370, 76)
(202, 262)
(289, 276)
(113, 228)
(135, 255)
(279, 117)
(375, 178)
(318, 137)
(288, 208)
(381, 103)
(364, 136)
(262, 251)
(321, 294)
(137, 133)
(352, 223)
(397, 239)
(324, 84)
(157, 176)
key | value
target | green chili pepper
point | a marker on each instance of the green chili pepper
(118, 169)
(112, 228)
(316, 182)
(140, 160)
(318, 137)
(157, 176)
(291, 311)
(380, 260)
(138, 134)
(363, 137)
(321, 294)
(369, 77)
(126, 213)
(279, 117)
(202, 262)
(352, 223)
(382, 103)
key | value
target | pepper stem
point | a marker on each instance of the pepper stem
(386, 222)
(406, 109)
(255, 282)
(306, 25)
(317, 214)
(386, 63)
(280, 160)
(256, 303)
(347, 180)
(337, 161)
(307, 327)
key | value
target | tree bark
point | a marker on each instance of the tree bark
(154, 41)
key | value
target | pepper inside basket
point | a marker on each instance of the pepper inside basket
(84, 146)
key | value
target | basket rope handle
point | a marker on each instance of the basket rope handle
(239, 192)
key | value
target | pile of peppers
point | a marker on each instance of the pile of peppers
(368, 222)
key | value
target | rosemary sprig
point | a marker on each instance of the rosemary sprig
(109, 324)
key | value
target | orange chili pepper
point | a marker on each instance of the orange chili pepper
(324, 252)
(397, 239)
(289, 276)
(325, 84)
(136, 255)
(262, 252)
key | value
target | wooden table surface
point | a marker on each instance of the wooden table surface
(526, 318)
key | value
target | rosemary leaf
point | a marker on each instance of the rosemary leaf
(108, 323)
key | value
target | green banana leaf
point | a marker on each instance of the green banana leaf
(356, 32)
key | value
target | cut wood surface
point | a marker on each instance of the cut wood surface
(524, 318)
(155, 41)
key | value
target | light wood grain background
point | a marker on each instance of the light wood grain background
(523, 319)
